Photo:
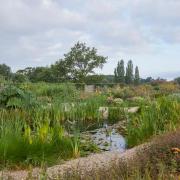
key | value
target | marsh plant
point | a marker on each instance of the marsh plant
(24, 143)
(160, 116)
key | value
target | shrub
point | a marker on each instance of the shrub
(123, 93)
(12, 96)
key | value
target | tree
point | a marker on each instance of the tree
(35, 74)
(5, 71)
(177, 80)
(27, 71)
(41, 74)
(60, 71)
(19, 78)
(129, 72)
(81, 61)
(119, 72)
(136, 76)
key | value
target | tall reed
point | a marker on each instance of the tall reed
(159, 117)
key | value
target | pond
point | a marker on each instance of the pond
(108, 139)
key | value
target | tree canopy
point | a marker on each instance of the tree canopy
(81, 61)
(121, 76)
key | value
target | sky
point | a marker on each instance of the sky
(39, 32)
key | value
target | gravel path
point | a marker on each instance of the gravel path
(81, 165)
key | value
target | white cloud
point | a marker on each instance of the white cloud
(38, 32)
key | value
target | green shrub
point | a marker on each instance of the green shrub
(11, 96)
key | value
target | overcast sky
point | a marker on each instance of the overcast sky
(39, 32)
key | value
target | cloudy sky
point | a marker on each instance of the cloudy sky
(38, 32)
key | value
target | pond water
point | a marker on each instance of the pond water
(108, 139)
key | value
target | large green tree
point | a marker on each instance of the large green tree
(81, 61)
(129, 78)
(136, 76)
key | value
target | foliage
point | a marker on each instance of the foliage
(120, 76)
(19, 78)
(33, 136)
(175, 97)
(75, 66)
(124, 93)
(136, 76)
(94, 79)
(2, 80)
(41, 74)
(129, 73)
(5, 71)
(119, 72)
(60, 71)
(116, 114)
(159, 117)
(21, 144)
(12, 96)
(47, 132)
(62, 92)
(177, 80)
(81, 61)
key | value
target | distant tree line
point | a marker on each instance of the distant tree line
(77, 66)
(126, 77)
